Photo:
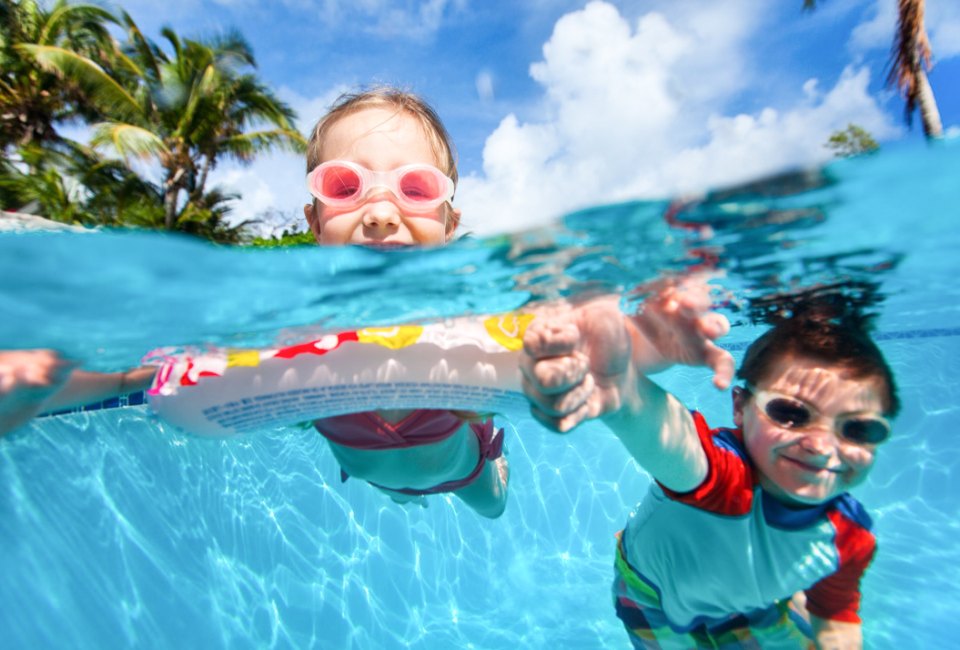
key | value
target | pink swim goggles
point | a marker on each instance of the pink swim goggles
(343, 184)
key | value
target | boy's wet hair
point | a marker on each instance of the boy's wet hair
(387, 97)
(826, 329)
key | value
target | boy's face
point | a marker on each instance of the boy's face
(813, 464)
(379, 139)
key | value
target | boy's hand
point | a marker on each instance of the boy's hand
(576, 364)
(678, 327)
(588, 361)
(28, 378)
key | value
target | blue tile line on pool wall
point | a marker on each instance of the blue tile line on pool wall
(131, 399)
(139, 398)
(931, 333)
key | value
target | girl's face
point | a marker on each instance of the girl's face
(380, 139)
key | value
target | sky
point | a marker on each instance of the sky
(556, 105)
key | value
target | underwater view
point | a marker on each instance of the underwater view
(119, 530)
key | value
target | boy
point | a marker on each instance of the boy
(739, 520)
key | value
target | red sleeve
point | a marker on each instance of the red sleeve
(837, 597)
(728, 486)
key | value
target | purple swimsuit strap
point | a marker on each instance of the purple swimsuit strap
(491, 448)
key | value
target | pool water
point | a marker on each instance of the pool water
(118, 531)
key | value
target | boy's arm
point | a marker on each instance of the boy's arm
(836, 635)
(592, 362)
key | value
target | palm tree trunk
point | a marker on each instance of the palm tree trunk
(910, 59)
(202, 180)
(929, 113)
(170, 197)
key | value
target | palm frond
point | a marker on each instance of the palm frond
(103, 91)
(91, 17)
(147, 52)
(128, 140)
(232, 48)
(200, 94)
(243, 146)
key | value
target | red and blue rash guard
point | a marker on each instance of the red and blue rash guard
(728, 547)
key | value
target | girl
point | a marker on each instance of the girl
(382, 172)
(381, 168)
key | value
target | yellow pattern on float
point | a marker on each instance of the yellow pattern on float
(508, 329)
(237, 358)
(391, 337)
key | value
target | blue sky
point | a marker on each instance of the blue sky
(561, 104)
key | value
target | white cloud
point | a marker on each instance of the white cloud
(876, 31)
(636, 110)
(746, 146)
(943, 23)
(272, 186)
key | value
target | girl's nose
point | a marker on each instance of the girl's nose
(381, 213)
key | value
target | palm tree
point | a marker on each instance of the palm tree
(34, 98)
(195, 108)
(185, 110)
(910, 59)
(909, 62)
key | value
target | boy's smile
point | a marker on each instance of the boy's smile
(811, 464)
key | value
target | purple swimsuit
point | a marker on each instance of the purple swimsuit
(368, 430)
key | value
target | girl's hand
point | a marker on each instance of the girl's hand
(28, 379)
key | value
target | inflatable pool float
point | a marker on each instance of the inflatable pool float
(465, 364)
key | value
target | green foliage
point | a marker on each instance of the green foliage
(852, 141)
(183, 105)
(34, 96)
(284, 240)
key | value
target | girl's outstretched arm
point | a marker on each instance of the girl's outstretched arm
(35, 381)
(29, 379)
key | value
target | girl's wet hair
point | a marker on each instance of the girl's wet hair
(390, 98)
(827, 328)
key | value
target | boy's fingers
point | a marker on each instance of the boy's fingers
(560, 404)
(557, 374)
(722, 364)
(547, 421)
(713, 325)
(543, 339)
(562, 424)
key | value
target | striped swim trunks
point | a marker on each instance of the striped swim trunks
(638, 607)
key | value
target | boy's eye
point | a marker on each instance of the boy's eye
(868, 431)
(788, 413)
